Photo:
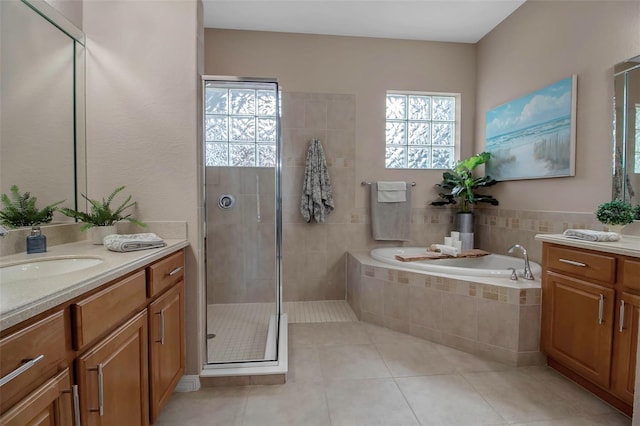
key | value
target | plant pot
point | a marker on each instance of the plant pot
(96, 234)
(465, 222)
(616, 228)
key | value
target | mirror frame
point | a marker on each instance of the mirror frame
(53, 16)
(620, 184)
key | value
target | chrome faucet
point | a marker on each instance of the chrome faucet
(527, 269)
(3, 231)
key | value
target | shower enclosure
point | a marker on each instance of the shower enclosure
(243, 219)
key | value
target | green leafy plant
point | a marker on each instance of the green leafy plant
(615, 212)
(101, 213)
(636, 212)
(459, 184)
(21, 210)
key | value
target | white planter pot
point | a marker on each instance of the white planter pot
(96, 234)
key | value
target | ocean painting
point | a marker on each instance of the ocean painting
(534, 136)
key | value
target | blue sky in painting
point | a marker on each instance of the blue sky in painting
(538, 107)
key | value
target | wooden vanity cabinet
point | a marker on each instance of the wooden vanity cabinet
(590, 314)
(50, 404)
(125, 342)
(166, 346)
(113, 377)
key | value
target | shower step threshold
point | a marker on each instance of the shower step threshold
(251, 373)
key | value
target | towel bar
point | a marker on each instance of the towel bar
(363, 183)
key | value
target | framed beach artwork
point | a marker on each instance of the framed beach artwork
(534, 136)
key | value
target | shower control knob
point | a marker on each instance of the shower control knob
(226, 201)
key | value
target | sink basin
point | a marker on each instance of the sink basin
(39, 268)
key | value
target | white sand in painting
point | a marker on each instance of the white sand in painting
(525, 165)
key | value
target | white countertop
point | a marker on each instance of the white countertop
(21, 300)
(627, 246)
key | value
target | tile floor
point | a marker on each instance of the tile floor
(359, 374)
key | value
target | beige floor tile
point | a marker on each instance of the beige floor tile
(304, 365)
(548, 380)
(368, 402)
(379, 334)
(209, 406)
(342, 333)
(303, 335)
(293, 404)
(615, 419)
(520, 398)
(447, 400)
(414, 359)
(351, 362)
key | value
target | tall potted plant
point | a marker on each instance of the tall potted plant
(459, 185)
(101, 218)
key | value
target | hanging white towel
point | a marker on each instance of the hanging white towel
(392, 192)
(317, 195)
(390, 221)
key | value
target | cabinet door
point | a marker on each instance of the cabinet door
(578, 325)
(51, 404)
(113, 377)
(166, 346)
(625, 342)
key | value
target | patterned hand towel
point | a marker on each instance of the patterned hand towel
(317, 194)
(590, 235)
(133, 242)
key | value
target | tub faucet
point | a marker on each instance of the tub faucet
(527, 269)
(3, 231)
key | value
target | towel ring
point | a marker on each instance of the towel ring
(364, 182)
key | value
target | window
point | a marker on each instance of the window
(240, 124)
(421, 130)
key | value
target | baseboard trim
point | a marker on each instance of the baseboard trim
(189, 383)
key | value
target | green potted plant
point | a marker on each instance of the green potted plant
(615, 214)
(101, 218)
(459, 185)
(20, 210)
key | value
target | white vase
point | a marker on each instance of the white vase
(616, 228)
(96, 234)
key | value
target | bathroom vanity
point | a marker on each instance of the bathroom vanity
(590, 313)
(103, 345)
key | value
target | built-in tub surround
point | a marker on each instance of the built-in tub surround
(492, 265)
(493, 317)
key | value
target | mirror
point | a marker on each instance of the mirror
(42, 135)
(626, 129)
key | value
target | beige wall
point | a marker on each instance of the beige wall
(364, 67)
(143, 120)
(543, 42)
(71, 9)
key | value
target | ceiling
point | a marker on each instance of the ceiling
(464, 21)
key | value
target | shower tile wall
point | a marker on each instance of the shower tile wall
(240, 248)
(314, 255)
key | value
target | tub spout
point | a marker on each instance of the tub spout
(527, 269)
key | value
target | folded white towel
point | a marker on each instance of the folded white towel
(590, 235)
(392, 192)
(448, 250)
(133, 242)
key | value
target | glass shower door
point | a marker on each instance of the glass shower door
(243, 225)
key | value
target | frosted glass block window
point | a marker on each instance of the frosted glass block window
(240, 126)
(421, 131)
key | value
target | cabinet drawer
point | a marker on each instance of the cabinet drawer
(630, 274)
(166, 273)
(582, 264)
(45, 341)
(102, 311)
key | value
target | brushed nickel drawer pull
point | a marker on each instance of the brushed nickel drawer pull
(175, 271)
(100, 408)
(601, 310)
(76, 404)
(18, 371)
(621, 321)
(161, 313)
(573, 262)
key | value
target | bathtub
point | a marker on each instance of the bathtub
(493, 265)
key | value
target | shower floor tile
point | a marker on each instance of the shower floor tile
(241, 329)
